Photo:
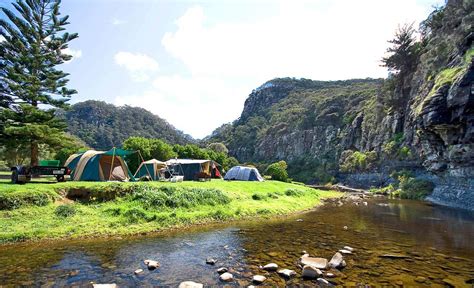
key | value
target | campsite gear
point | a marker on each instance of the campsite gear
(151, 168)
(100, 166)
(193, 169)
(243, 173)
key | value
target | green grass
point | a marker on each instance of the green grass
(130, 208)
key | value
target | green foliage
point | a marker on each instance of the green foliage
(65, 211)
(294, 192)
(218, 147)
(149, 149)
(74, 145)
(413, 188)
(278, 171)
(103, 126)
(405, 52)
(356, 161)
(15, 199)
(258, 197)
(33, 46)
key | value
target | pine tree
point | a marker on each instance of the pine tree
(31, 86)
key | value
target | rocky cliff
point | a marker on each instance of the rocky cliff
(421, 120)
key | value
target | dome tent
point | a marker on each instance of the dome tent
(243, 173)
(150, 168)
(99, 166)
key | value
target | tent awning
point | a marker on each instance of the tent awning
(118, 152)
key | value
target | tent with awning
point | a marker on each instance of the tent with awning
(100, 165)
(193, 169)
(150, 168)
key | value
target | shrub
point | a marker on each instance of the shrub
(278, 171)
(258, 197)
(412, 188)
(135, 215)
(65, 211)
(356, 161)
(15, 199)
(293, 192)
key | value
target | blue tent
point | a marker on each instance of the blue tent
(100, 166)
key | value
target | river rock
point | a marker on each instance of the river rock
(151, 264)
(324, 283)
(330, 275)
(222, 270)
(226, 277)
(258, 279)
(270, 267)
(349, 248)
(286, 273)
(344, 251)
(394, 256)
(138, 271)
(337, 261)
(211, 261)
(113, 285)
(311, 272)
(190, 284)
(345, 227)
(316, 262)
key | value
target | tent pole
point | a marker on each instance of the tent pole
(112, 164)
(147, 171)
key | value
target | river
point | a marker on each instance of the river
(437, 244)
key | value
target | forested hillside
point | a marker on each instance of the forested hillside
(418, 121)
(102, 126)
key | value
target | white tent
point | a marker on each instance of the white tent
(243, 173)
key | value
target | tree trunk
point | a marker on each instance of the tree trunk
(34, 153)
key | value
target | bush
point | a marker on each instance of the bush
(135, 215)
(15, 199)
(258, 197)
(294, 192)
(278, 171)
(65, 211)
(412, 188)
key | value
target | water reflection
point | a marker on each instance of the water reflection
(436, 241)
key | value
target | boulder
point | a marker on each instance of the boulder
(270, 267)
(330, 275)
(222, 270)
(138, 271)
(226, 277)
(258, 279)
(311, 272)
(287, 273)
(190, 284)
(337, 261)
(344, 251)
(151, 264)
(210, 261)
(113, 285)
(324, 283)
(316, 262)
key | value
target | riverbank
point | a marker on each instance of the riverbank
(36, 211)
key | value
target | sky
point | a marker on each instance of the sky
(194, 63)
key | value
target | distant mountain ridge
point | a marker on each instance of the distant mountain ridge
(102, 126)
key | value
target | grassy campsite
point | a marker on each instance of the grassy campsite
(36, 211)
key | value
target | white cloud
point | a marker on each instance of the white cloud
(138, 65)
(74, 53)
(116, 21)
(225, 60)
(196, 105)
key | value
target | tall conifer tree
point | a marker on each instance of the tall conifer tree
(31, 86)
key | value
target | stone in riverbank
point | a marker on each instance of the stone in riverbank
(311, 272)
(211, 261)
(222, 270)
(226, 277)
(151, 264)
(138, 271)
(337, 261)
(190, 284)
(287, 273)
(320, 263)
(348, 248)
(344, 251)
(113, 285)
(270, 267)
(258, 279)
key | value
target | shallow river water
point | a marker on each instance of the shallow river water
(437, 243)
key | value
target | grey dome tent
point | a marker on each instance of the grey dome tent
(243, 173)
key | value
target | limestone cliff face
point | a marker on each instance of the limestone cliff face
(311, 123)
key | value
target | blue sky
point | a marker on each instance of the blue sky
(195, 62)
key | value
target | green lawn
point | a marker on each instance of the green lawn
(33, 211)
